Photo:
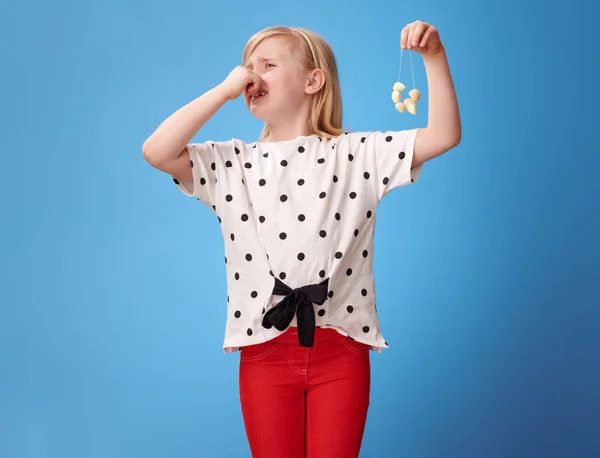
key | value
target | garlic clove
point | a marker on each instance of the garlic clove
(411, 106)
(415, 95)
(399, 87)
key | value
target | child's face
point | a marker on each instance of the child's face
(281, 78)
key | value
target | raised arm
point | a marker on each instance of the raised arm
(166, 148)
(444, 130)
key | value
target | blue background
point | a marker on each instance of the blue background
(113, 282)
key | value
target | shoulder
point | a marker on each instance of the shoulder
(222, 146)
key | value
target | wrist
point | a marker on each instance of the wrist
(440, 55)
(223, 92)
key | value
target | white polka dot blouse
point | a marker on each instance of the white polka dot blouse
(298, 220)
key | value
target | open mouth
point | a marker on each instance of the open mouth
(258, 95)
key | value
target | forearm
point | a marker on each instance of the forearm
(170, 138)
(444, 117)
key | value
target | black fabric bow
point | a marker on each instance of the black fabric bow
(297, 302)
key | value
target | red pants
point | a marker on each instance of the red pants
(298, 400)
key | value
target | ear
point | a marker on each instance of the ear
(316, 80)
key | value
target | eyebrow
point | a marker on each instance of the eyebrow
(261, 59)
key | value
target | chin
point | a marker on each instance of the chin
(260, 113)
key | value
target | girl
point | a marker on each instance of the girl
(297, 212)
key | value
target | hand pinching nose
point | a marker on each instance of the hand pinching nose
(410, 103)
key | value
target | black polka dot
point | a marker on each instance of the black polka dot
(254, 294)
(322, 233)
(362, 140)
(301, 256)
(175, 180)
(366, 329)
(350, 157)
(300, 182)
(322, 195)
(261, 219)
(237, 314)
(237, 150)
(321, 160)
(369, 213)
(262, 182)
(237, 275)
(352, 195)
(322, 274)
(248, 165)
(365, 253)
(228, 164)
(266, 155)
(330, 294)
(248, 257)
(321, 312)
(338, 255)
(402, 155)
(283, 198)
(212, 166)
(367, 175)
(301, 149)
(249, 332)
(284, 163)
(225, 259)
(301, 217)
(388, 138)
(363, 292)
(335, 179)
(282, 275)
(228, 197)
(355, 232)
(386, 180)
(282, 235)
(232, 237)
(337, 216)
(219, 219)
(244, 217)
(350, 309)
(349, 272)
(202, 181)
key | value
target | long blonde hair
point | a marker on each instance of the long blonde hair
(313, 52)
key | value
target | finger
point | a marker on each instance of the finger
(411, 32)
(417, 33)
(254, 83)
(404, 38)
(426, 36)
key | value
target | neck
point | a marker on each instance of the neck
(295, 126)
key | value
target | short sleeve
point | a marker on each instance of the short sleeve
(204, 173)
(393, 154)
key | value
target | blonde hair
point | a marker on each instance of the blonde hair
(313, 52)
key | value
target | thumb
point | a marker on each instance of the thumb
(254, 82)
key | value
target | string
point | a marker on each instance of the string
(400, 71)
(411, 70)
(412, 73)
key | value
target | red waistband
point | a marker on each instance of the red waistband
(321, 335)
